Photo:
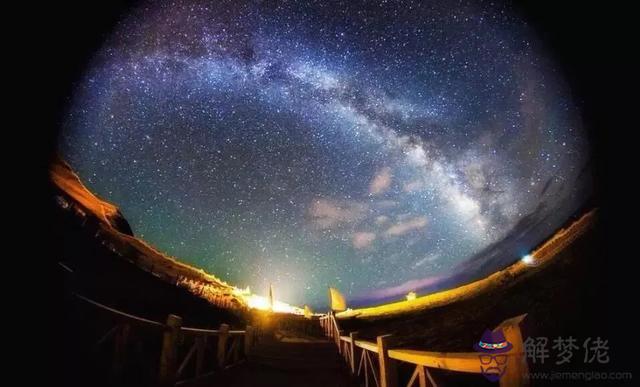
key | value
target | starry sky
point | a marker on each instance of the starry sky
(370, 146)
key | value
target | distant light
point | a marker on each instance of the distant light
(529, 260)
(411, 296)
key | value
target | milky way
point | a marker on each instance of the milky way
(312, 144)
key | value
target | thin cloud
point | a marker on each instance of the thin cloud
(402, 228)
(362, 240)
(381, 181)
(328, 214)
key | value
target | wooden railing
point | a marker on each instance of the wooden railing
(376, 362)
(229, 348)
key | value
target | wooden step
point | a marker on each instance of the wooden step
(283, 355)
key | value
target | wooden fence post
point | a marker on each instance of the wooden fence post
(328, 328)
(201, 343)
(236, 349)
(516, 373)
(388, 366)
(120, 351)
(248, 340)
(222, 343)
(422, 376)
(168, 356)
(352, 344)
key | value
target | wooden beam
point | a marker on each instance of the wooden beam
(222, 344)
(515, 373)
(431, 380)
(460, 362)
(248, 340)
(365, 359)
(422, 376)
(168, 356)
(120, 350)
(414, 376)
(104, 337)
(353, 336)
(186, 359)
(373, 370)
(368, 345)
(236, 350)
(201, 345)
(388, 367)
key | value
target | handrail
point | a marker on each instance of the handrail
(169, 368)
(369, 346)
(468, 362)
(459, 362)
(130, 317)
(210, 332)
(137, 319)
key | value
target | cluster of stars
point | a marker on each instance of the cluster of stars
(310, 144)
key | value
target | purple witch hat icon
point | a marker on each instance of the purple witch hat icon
(493, 342)
(492, 347)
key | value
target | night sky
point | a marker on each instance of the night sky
(362, 145)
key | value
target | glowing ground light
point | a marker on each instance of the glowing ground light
(529, 260)
(262, 303)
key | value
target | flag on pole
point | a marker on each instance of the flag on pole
(308, 313)
(271, 297)
(337, 301)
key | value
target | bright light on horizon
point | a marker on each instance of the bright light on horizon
(529, 260)
(262, 303)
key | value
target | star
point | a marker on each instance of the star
(376, 147)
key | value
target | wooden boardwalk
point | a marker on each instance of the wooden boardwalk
(287, 362)
(287, 354)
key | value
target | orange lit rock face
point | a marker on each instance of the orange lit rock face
(67, 181)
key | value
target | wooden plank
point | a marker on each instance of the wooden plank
(106, 336)
(248, 340)
(387, 366)
(209, 332)
(352, 340)
(414, 376)
(201, 345)
(369, 346)
(422, 376)
(362, 356)
(222, 344)
(120, 350)
(461, 362)
(373, 370)
(168, 356)
(430, 377)
(236, 350)
(514, 375)
(184, 363)
(365, 357)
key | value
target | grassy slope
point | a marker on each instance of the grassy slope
(517, 271)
